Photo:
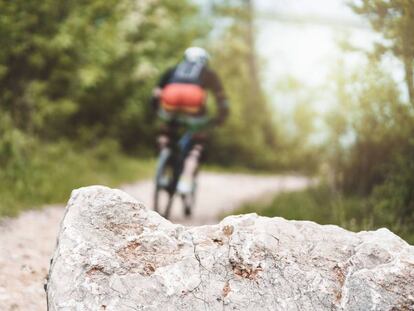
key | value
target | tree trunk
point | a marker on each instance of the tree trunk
(250, 40)
(257, 100)
(408, 67)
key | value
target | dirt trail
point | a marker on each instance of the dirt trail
(27, 242)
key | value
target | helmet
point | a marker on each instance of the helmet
(196, 55)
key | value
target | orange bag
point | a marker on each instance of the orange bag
(181, 97)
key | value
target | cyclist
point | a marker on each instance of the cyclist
(180, 97)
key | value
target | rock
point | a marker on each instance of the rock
(114, 254)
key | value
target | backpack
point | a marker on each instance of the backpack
(188, 72)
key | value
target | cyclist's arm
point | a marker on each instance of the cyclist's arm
(165, 78)
(214, 84)
(156, 92)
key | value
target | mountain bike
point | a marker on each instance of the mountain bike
(171, 164)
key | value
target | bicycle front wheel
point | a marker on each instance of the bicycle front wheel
(163, 201)
(163, 194)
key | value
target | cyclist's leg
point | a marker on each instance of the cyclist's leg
(188, 182)
(191, 162)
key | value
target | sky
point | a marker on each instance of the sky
(306, 51)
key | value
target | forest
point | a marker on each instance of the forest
(76, 78)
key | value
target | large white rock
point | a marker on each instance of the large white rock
(114, 254)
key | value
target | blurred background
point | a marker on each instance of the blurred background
(323, 88)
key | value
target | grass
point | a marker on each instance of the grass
(49, 174)
(324, 206)
(318, 204)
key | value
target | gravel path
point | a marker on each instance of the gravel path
(27, 242)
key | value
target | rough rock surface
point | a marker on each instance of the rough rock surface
(114, 254)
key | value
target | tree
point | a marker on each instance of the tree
(83, 69)
(249, 137)
(395, 21)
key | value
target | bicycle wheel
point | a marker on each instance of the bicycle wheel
(163, 201)
(163, 195)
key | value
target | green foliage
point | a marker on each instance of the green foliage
(395, 21)
(297, 148)
(371, 146)
(376, 123)
(50, 172)
(394, 198)
(84, 69)
(377, 162)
